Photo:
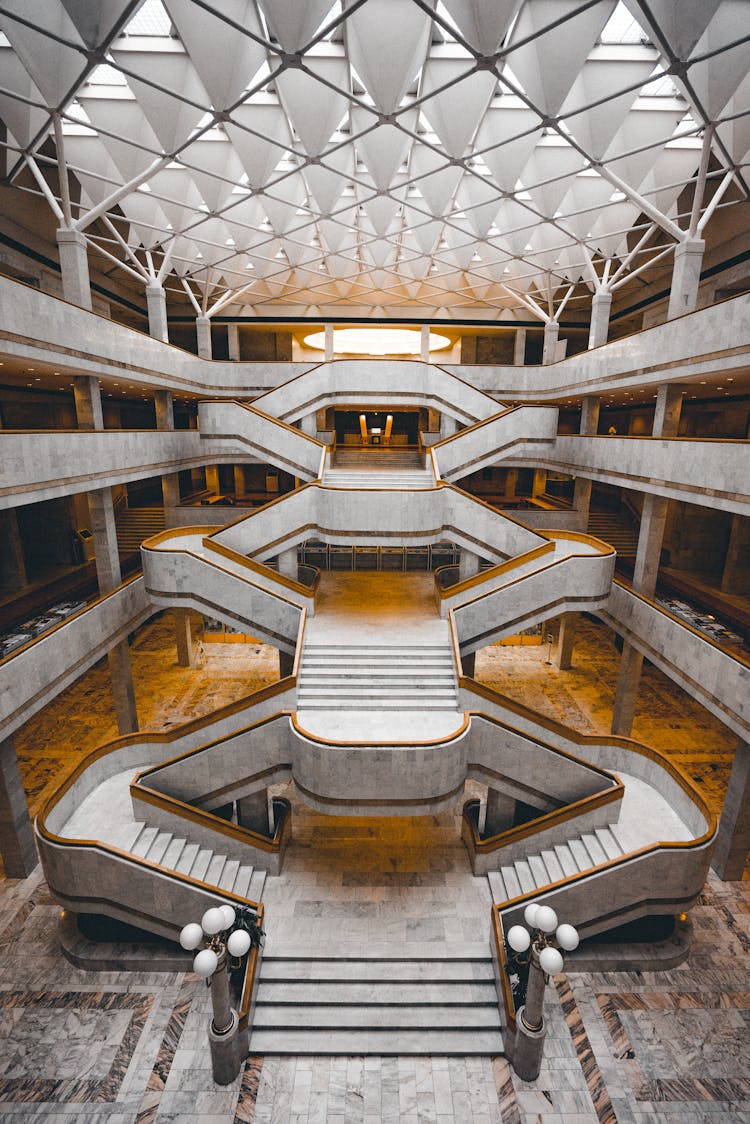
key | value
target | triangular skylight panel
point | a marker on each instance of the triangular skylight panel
(54, 67)
(509, 124)
(293, 23)
(472, 91)
(387, 43)
(483, 24)
(168, 77)
(608, 71)
(384, 148)
(315, 109)
(260, 134)
(681, 24)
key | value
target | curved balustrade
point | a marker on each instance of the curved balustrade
(575, 576)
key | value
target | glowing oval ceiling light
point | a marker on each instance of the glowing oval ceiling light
(376, 341)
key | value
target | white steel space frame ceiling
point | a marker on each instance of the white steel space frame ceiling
(391, 158)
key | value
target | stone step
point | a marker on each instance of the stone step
(378, 1017)
(156, 851)
(256, 885)
(398, 994)
(497, 886)
(382, 1043)
(242, 881)
(331, 702)
(289, 970)
(145, 838)
(609, 844)
(399, 690)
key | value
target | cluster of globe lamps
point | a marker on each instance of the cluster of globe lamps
(210, 963)
(543, 945)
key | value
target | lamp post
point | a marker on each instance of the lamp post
(215, 945)
(544, 958)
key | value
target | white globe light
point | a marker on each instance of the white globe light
(529, 914)
(551, 960)
(229, 916)
(239, 942)
(519, 938)
(205, 963)
(567, 937)
(546, 919)
(191, 936)
(212, 922)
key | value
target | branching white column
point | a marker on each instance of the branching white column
(551, 332)
(686, 276)
(600, 309)
(203, 332)
(74, 267)
(156, 303)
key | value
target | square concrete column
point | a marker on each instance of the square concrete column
(448, 426)
(328, 337)
(212, 478)
(203, 334)
(286, 664)
(468, 564)
(626, 693)
(654, 515)
(424, 343)
(156, 304)
(12, 561)
(735, 577)
(686, 277)
(287, 562)
(551, 332)
(600, 309)
(16, 834)
(590, 410)
(733, 838)
(239, 480)
(252, 811)
(184, 638)
(519, 348)
(539, 486)
(74, 267)
(233, 342)
(499, 813)
(87, 396)
(123, 691)
(104, 530)
(565, 642)
(170, 481)
(309, 425)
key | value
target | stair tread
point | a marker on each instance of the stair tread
(255, 888)
(609, 844)
(200, 865)
(358, 994)
(145, 838)
(229, 873)
(156, 851)
(382, 1042)
(525, 877)
(242, 880)
(376, 971)
(376, 1017)
(566, 859)
(173, 852)
(497, 886)
(187, 858)
(552, 863)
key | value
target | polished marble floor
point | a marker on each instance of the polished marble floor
(622, 1046)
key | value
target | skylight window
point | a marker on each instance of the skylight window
(150, 19)
(622, 28)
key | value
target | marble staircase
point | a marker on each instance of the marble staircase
(178, 854)
(376, 677)
(378, 468)
(354, 1005)
(582, 853)
(135, 524)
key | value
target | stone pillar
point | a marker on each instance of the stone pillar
(252, 811)
(12, 561)
(565, 642)
(233, 342)
(309, 425)
(74, 267)
(469, 664)
(519, 348)
(239, 480)
(539, 485)
(500, 811)
(16, 835)
(551, 332)
(184, 638)
(468, 564)
(328, 335)
(170, 481)
(736, 575)
(589, 424)
(424, 343)
(733, 838)
(448, 426)
(287, 562)
(600, 308)
(203, 334)
(156, 303)
(626, 694)
(88, 404)
(654, 514)
(686, 276)
(286, 664)
(511, 483)
(212, 478)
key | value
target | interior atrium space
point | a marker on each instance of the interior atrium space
(375, 561)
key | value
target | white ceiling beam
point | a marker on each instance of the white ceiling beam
(100, 249)
(718, 195)
(700, 183)
(632, 253)
(193, 301)
(637, 272)
(114, 198)
(46, 189)
(114, 231)
(62, 171)
(646, 206)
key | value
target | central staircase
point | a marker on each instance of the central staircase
(378, 468)
(356, 1005)
(376, 677)
(618, 528)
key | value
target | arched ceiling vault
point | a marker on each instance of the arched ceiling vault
(407, 156)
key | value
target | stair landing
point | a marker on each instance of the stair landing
(377, 664)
